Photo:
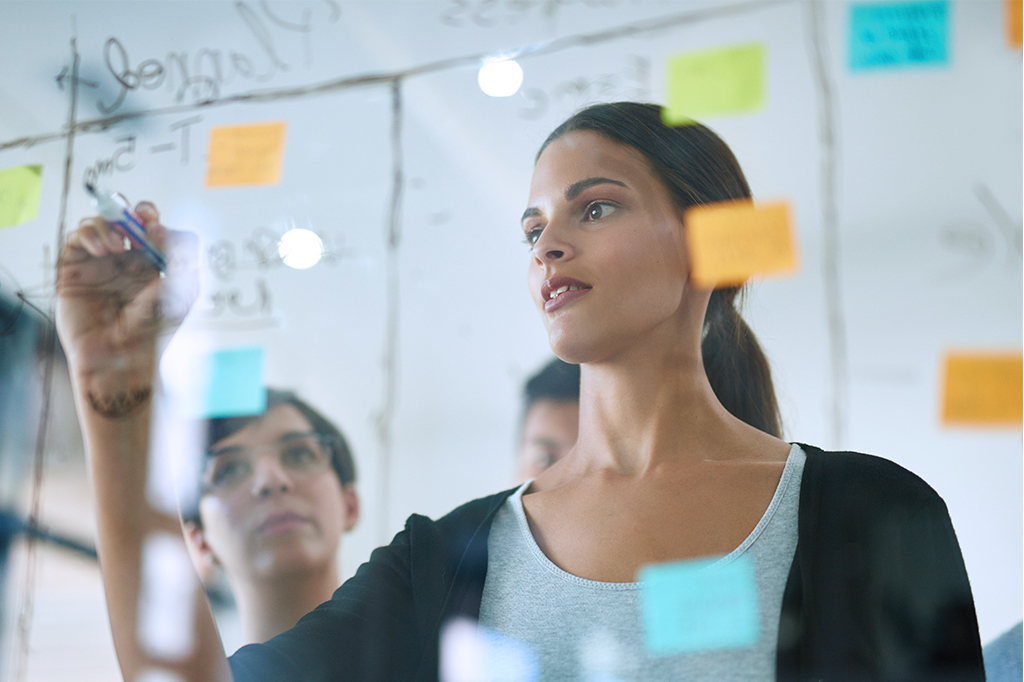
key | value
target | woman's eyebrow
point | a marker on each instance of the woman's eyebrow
(573, 191)
(226, 450)
(530, 213)
(295, 435)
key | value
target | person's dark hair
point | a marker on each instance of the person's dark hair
(221, 428)
(696, 167)
(557, 380)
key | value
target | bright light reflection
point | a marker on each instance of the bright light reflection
(500, 77)
(300, 249)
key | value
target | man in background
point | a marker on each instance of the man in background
(551, 417)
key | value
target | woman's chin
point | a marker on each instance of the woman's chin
(291, 558)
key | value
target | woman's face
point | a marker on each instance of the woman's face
(281, 511)
(599, 219)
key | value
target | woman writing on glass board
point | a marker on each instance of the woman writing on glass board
(855, 569)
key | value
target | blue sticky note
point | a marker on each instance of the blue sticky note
(699, 605)
(235, 385)
(906, 34)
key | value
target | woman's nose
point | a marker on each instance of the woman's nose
(270, 478)
(552, 245)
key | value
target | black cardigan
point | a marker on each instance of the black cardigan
(877, 590)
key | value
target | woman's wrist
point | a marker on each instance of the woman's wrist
(118, 391)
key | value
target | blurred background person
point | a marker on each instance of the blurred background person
(275, 496)
(1004, 656)
(551, 417)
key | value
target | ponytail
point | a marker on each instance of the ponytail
(696, 167)
(736, 367)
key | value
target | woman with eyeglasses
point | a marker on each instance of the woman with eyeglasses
(276, 494)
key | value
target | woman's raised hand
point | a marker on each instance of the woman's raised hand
(113, 304)
(112, 307)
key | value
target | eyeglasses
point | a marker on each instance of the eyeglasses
(300, 455)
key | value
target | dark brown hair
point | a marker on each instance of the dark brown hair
(696, 167)
(219, 429)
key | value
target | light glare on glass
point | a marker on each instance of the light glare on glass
(300, 249)
(500, 77)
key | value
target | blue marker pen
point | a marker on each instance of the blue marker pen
(116, 210)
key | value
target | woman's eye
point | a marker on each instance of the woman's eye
(229, 472)
(300, 457)
(532, 235)
(598, 210)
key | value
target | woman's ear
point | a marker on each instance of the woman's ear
(350, 498)
(199, 549)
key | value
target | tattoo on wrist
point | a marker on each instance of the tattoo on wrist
(120, 404)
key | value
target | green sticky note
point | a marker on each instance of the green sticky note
(699, 605)
(21, 189)
(235, 386)
(727, 80)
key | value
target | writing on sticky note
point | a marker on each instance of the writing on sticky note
(235, 383)
(727, 80)
(731, 241)
(898, 35)
(1014, 12)
(250, 154)
(21, 189)
(699, 605)
(983, 389)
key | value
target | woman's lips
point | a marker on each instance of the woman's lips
(283, 522)
(553, 304)
(558, 291)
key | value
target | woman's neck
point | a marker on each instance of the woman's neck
(269, 607)
(655, 407)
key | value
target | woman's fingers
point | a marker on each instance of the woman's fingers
(96, 237)
(147, 211)
(150, 217)
(89, 236)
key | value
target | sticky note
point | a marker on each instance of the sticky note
(699, 605)
(727, 80)
(731, 241)
(249, 154)
(235, 383)
(21, 189)
(1014, 12)
(905, 34)
(983, 389)
(471, 652)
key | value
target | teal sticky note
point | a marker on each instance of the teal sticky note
(699, 605)
(906, 34)
(235, 383)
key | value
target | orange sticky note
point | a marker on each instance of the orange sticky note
(1014, 10)
(734, 240)
(983, 389)
(249, 154)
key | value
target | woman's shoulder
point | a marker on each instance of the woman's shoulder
(469, 517)
(869, 478)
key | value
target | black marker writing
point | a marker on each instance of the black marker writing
(202, 76)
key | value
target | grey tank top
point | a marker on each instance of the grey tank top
(586, 630)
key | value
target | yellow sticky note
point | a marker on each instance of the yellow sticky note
(1014, 10)
(983, 389)
(727, 80)
(248, 154)
(21, 189)
(733, 240)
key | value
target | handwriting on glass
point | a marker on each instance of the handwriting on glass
(201, 75)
